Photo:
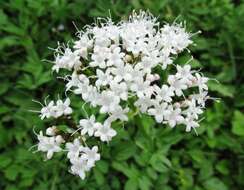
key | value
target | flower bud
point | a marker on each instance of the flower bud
(128, 58)
(51, 131)
(59, 139)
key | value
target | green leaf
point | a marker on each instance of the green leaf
(4, 86)
(145, 183)
(222, 167)
(12, 172)
(99, 177)
(19, 98)
(4, 161)
(206, 170)
(63, 128)
(43, 78)
(215, 184)
(125, 150)
(130, 172)
(152, 173)
(26, 182)
(4, 109)
(102, 166)
(147, 123)
(158, 162)
(131, 184)
(197, 155)
(225, 90)
(238, 123)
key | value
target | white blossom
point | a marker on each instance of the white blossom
(102, 78)
(48, 111)
(174, 117)
(177, 85)
(74, 148)
(88, 125)
(108, 101)
(79, 167)
(63, 108)
(90, 155)
(52, 110)
(201, 81)
(105, 132)
(48, 144)
(119, 113)
(159, 111)
(120, 89)
(190, 123)
(165, 93)
(67, 60)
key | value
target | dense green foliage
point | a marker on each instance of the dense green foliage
(144, 155)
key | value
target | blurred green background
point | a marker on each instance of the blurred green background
(144, 155)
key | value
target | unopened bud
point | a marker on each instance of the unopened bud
(51, 131)
(128, 58)
(59, 139)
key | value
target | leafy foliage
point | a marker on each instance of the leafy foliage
(143, 155)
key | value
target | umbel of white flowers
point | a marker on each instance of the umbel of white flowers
(122, 58)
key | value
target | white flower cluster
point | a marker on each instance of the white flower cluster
(81, 157)
(92, 128)
(111, 65)
(51, 110)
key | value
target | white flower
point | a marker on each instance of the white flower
(92, 96)
(152, 77)
(99, 57)
(193, 110)
(115, 57)
(174, 117)
(159, 111)
(121, 72)
(190, 123)
(143, 103)
(164, 93)
(184, 73)
(48, 144)
(88, 126)
(174, 38)
(141, 88)
(62, 108)
(105, 132)
(79, 167)
(150, 61)
(108, 101)
(82, 45)
(74, 148)
(103, 78)
(83, 89)
(177, 85)
(166, 61)
(73, 81)
(48, 111)
(120, 89)
(52, 110)
(68, 60)
(201, 97)
(201, 81)
(90, 155)
(119, 113)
